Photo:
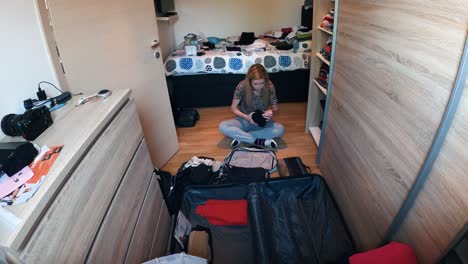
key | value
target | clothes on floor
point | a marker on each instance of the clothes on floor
(196, 161)
(243, 131)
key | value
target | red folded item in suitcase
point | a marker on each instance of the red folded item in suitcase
(224, 212)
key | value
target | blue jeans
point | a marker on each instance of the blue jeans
(241, 130)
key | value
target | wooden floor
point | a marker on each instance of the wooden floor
(204, 138)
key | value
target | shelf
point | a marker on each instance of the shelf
(315, 132)
(322, 58)
(324, 91)
(169, 19)
(325, 30)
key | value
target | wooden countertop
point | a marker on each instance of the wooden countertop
(75, 127)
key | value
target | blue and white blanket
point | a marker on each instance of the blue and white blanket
(236, 62)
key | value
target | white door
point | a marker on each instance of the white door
(106, 44)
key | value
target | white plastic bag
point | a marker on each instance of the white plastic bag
(181, 258)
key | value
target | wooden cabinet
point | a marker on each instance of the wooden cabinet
(117, 228)
(142, 240)
(162, 233)
(100, 202)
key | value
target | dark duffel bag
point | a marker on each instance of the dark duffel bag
(166, 183)
(173, 187)
(292, 166)
(186, 117)
(237, 175)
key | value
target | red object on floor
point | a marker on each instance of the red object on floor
(224, 212)
(389, 254)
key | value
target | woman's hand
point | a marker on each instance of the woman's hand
(249, 118)
(268, 114)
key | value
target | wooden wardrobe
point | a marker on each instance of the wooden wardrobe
(395, 67)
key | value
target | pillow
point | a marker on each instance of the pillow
(392, 253)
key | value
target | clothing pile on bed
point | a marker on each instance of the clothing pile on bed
(286, 50)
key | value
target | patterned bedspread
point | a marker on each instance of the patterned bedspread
(236, 62)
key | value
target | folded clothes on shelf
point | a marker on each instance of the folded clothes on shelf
(328, 20)
(326, 51)
(322, 78)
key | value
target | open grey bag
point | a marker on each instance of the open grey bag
(245, 157)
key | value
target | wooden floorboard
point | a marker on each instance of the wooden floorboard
(203, 139)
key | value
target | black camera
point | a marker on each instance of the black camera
(28, 125)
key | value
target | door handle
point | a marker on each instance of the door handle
(155, 44)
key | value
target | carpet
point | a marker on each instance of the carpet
(225, 143)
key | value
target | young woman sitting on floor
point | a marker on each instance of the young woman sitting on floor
(254, 103)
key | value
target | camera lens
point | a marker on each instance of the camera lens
(10, 125)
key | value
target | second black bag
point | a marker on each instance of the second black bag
(292, 166)
(244, 175)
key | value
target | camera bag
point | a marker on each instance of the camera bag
(16, 156)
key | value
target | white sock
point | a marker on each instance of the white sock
(268, 143)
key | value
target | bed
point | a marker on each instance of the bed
(236, 62)
(210, 78)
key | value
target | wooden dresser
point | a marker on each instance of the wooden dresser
(100, 202)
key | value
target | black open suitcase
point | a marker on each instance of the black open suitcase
(290, 220)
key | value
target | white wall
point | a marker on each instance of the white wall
(222, 18)
(166, 37)
(24, 56)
